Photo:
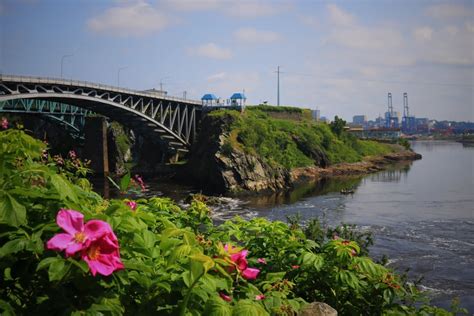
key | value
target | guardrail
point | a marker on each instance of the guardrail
(87, 84)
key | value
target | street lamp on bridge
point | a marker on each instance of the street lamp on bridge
(118, 75)
(161, 82)
(62, 62)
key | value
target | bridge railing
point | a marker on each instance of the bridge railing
(88, 84)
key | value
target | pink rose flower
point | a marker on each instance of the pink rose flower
(260, 297)
(72, 154)
(132, 205)
(240, 261)
(262, 260)
(102, 256)
(295, 267)
(4, 123)
(250, 273)
(226, 298)
(77, 236)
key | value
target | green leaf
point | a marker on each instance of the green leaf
(11, 212)
(197, 269)
(207, 261)
(6, 308)
(7, 274)
(63, 187)
(275, 276)
(248, 308)
(13, 246)
(125, 182)
(80, 264)
(58, 269)
(47, 262)
(114, 183)
(217, 307)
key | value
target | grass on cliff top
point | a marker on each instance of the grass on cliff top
(293, 144)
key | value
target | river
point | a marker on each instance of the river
(421, 215)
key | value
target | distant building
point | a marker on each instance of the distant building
(238, 99)
(315, 114)
(324, 119)
(209, 99)
(359, 120)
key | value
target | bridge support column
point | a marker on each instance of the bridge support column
(95, 147)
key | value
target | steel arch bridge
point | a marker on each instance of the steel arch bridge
(167, 120)
(71, 117)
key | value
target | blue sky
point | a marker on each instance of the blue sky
(340, 56)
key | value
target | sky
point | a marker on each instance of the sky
(341, 57)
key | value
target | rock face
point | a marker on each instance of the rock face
(215, 166)
(317, 309)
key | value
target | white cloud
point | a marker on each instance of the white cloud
(340, 17)
(211, 50)
(309, 21)
(370, 45)
(241, 9)
(248, 81)
(253, 9)
(129, 19)
(252, 35)
(470, 27)
(447, 11)
(193, 5)
(449, 46)
(423, 33)
(216, 77)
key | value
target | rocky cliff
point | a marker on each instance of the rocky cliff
(216, 166)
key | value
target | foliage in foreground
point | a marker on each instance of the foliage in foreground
(294, 144)
(175, 260)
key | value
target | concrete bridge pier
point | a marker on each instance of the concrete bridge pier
(95, 146)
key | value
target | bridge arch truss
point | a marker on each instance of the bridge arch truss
(167, 120)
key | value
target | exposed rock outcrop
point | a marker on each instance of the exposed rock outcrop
(215, 166)
(317, 309)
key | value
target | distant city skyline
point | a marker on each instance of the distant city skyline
(341, 57)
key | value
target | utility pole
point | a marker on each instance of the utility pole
(184, 94)
(278, 85)
(118, 75)
(62, 61)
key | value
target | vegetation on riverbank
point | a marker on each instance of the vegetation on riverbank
(149, 256)
(291, 143)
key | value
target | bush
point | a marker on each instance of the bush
(166, 260)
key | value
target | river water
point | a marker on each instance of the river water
(421, 215)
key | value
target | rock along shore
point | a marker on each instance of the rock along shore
(368, 165)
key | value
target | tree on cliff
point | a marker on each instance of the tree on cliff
(337, 126)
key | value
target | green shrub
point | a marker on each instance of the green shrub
(176, 262)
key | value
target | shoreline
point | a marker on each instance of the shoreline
(368, 165)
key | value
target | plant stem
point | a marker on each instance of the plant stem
(182, 311)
